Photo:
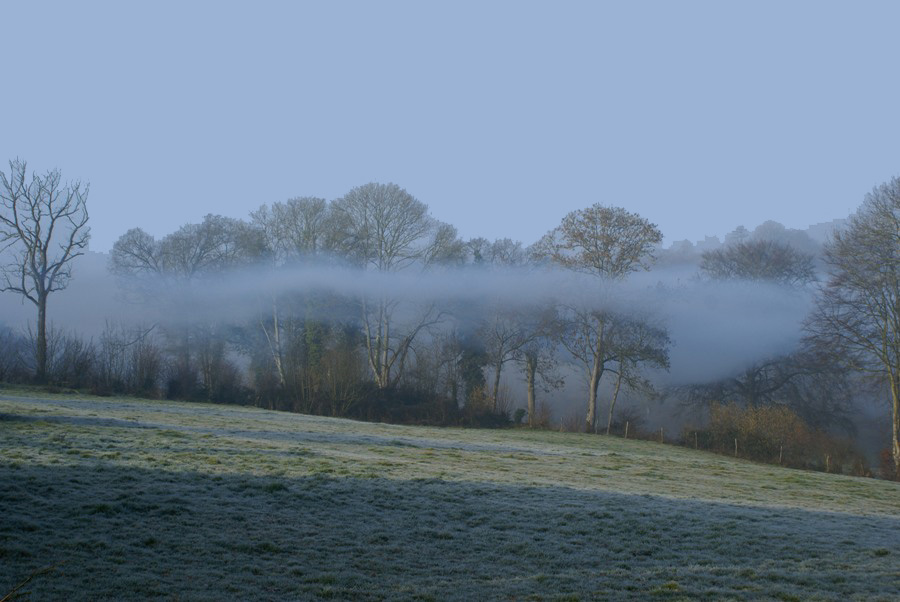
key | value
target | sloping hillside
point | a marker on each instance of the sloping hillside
(147, 499)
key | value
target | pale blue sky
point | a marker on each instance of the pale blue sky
(501, 116)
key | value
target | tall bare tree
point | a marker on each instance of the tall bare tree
(858, 313)
(636, 342)
(538, 355)
(588, 339)
(505, 331)
(299, 229)
(43, 228)
(386, 229)
(610, 243)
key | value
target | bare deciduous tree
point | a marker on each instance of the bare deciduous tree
(43, 228)
(587, 338)
(858, 313)
(636, 342)
(538, 356)
(505, 332)
(608, 242)
(299, 227)
(387, 229)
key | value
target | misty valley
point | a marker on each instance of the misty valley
(345, 399)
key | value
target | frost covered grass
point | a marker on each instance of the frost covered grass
(136, 499)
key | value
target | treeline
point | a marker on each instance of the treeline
(368, 343)
(384, 353)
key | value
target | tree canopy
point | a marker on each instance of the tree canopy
(760, 260)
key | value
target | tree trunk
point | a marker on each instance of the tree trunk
(612, 403)
(41, 375)
(376, 345)
(895, 430)
(596, 373)
(276, 351)
(497, 386)
(385, 380)
(530, 369)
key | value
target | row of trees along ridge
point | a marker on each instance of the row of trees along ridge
(371, 353)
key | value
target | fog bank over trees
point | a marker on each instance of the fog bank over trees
(366, 306)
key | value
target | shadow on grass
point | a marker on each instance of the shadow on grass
(126, 533)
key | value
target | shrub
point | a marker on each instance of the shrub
(773, 434)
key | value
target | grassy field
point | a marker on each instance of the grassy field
(132, 499)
